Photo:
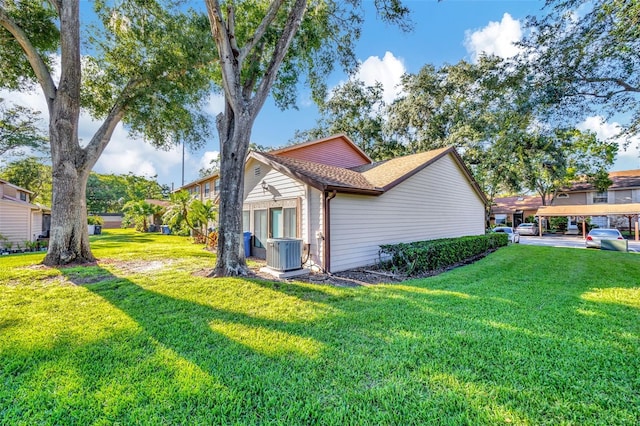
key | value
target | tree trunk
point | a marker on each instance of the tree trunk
(69, 239)
(235, 135)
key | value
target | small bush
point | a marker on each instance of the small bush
(95, 220)
(422, 256)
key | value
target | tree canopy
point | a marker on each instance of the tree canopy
(585, 57)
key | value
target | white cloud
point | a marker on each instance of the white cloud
(125, 154)
(207, 157)
(388, 71)
(628, 158)
(497, 38)
(215, 104)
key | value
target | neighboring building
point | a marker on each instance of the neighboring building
(111, 220)
(617, 207)
(343, 206)
(625, 189)
(206, 188)
(513, 211)
(21, 221)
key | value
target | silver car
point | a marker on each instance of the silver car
(596, 235)
(514, 237)
(528, 229)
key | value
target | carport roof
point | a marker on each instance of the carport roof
(590, 210)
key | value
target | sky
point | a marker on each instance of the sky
(444, 32)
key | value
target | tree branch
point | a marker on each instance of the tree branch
(228, 62)
(293, 23)
(37, 64)
(626, 87)
(274, 7)
(102, 136)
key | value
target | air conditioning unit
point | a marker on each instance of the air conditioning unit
(284, 254)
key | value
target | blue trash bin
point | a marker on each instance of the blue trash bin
(247, 244)
(166, 230)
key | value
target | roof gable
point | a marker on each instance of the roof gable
(337, 150)
(320, 176)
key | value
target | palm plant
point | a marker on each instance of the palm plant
(137, 212)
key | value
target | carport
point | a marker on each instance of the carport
(628, 209)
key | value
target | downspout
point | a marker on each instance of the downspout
(326, 261)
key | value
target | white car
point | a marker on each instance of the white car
(528, 229)
(596, 235)
(514, 237)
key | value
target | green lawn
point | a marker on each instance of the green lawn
(527, 335)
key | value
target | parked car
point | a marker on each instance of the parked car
(528, 229)
(596, 235)
(514, 237)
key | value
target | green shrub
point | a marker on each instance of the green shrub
(95, 220)
(422, 256)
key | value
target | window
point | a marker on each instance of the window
(563, 195)
(600, 197)
(23, 196)
(216, 186)
(207, 189)
(501, 219)
(260, 228)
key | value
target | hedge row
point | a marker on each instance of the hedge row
(423, 256)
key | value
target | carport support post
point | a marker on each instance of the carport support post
(540, 225)
(584, 228)
(636, 228)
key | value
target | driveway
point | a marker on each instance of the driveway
(571, 241)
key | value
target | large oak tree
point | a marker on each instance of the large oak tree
(144, 64)
(266, 47)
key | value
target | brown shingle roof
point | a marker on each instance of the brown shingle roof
(387, 173)
(621, 179)
(513, 204)
(368, 179)
(319, 175)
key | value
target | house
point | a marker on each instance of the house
(512, 211)
(343, 206)
(20, 221)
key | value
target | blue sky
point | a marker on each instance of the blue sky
(444, 32)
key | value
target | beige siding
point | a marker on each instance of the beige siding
(255, 173)
(280, 186)
(437, 202)
(15, 222)
(36, 224)
(573, 199)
